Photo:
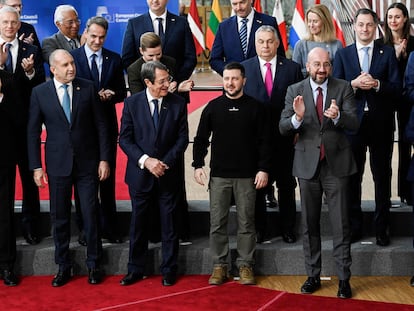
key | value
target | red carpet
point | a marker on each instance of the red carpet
(197, 98)
(190, 293)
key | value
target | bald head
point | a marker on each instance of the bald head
(319, 65)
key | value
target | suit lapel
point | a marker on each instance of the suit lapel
(106, 61)
(170, 25)
(257, 77)
(255, 25)
(75, 100)
(57, 106)
(310, 104)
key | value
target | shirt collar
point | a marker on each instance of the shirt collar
(151, 98)
(59, 84)
(89, 52)
(359, 46)
(315, 85)
(262, 62)
(249, 17)
(153, 16)
(15, 42)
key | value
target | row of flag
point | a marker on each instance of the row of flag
(297, 29)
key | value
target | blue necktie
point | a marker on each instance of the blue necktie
(160, 29)
(66, 102)
(95, 71)
(243, 36)
(9, 61)
(365, 60)
(155, 115)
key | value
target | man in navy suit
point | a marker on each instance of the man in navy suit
(77, 152)
(154, 136)
(372, 69)
(27, 32)
(110, 86)
(26, 65)
(283, 72)
(177, 39)
(227, 48)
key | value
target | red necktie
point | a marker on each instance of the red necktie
(319, 111)
(269, 79)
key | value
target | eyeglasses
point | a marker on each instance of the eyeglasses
(163, 81)
(319, 65)
(71, 22)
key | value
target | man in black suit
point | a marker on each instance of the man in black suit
(376, 88)
(27, 32)
(25, 62)
(77, 152)
(9, 110)
(154, 136)
(269, 86)
(110, 86)
(319, 110)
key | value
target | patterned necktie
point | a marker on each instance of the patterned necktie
(155, 115)
(160, 29)
(72, 44)
(66, 101)
(243, 36)
(95, 71)
(319, 111)
(9, 61)
(365, 60)
(269, 79)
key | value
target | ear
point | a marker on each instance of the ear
(147, 82)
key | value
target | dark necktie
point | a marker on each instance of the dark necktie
(66, 102)
(72, 44)
(95, 71)
(319, 111)
(243, 36)
(160, 29)
(9, 61)
(155, 115)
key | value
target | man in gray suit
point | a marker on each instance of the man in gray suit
(67, 21)
(319, 110)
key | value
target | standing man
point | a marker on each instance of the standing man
(67, 21)
(77, 153)
(240, 162)
(320, 109)
(103, 67)
(27, 32)
(243, 25)
(154, 136)
(269, 87)
(174, 31)
(25, 62)
(372, 70)
(9, 111)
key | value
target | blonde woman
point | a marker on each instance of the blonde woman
(321, 33)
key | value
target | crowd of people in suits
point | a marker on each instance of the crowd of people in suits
(311, 119)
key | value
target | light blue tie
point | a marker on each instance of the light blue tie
(155, 115)
(66, 102)
(243, 36)
(365, 60)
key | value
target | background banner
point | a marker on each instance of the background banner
(117, 12)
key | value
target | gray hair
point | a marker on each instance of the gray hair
(10, 9)
(61, 9)
(148, 70)
(53, 55)
(267, 28)
(98, 20)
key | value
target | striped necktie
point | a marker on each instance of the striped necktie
(243, 36)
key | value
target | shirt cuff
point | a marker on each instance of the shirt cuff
(296, 124)
(141, 161)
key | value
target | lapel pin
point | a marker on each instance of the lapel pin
(77, 88)
(259, 21)
(173, 19)
(381, 51)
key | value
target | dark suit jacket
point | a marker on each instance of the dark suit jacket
(84, 142)
(227, 46)
(54, 42)
(410, 136)
(134, 72)
(179, 43)
(112, 77)
(138, 137)
(311, 133)
(384, 67)
(27, 29)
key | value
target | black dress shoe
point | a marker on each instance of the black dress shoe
(259, 237)
(289, 237)
(169, 279)
(344, 289)
(383, 240)
(271, 201)
(9, 278)
(412, 281)
(131, 278)
(95, 276)
(62, 278)
(82, 239)
(311, 285)
(31, 239)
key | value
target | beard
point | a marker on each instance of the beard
(233, 93)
